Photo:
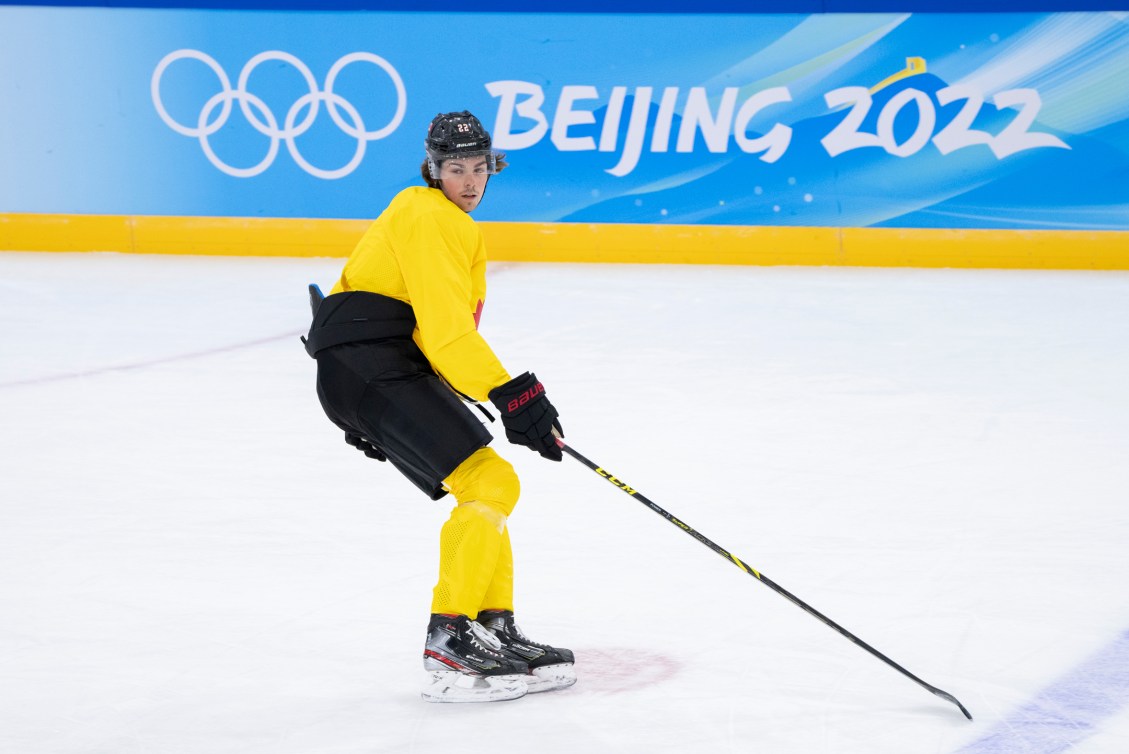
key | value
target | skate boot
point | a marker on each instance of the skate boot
(467, 664)
(549, 667)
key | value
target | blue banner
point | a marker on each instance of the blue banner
(618, 6)
(896, 120)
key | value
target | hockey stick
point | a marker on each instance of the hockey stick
(760, 576)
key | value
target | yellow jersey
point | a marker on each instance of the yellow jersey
(425, 251)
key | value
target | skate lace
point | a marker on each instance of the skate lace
(481, 636)
(525, 639)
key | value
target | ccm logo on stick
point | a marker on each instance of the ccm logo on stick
(623, 486)
(525, 397)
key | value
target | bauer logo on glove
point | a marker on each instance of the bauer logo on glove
(528, 416)
(525, 397)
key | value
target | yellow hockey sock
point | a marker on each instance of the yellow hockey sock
(474, 553)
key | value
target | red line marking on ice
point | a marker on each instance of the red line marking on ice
(144, 364)
(615, 670)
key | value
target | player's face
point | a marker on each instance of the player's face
(464, 180)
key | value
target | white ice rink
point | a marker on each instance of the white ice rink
(192, 561)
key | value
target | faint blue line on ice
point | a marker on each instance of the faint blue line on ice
(1066, 712)
(143, 364)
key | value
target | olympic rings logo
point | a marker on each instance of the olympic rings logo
(263, 120)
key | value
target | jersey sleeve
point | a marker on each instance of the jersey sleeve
(437, 273)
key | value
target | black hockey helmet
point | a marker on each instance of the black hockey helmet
(454, 135)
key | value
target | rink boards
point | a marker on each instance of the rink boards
(575, 242)
(936, 138)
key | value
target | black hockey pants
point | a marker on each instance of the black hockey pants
(382, 387)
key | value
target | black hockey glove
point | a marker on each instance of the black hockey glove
(365, 446)
(527, 415)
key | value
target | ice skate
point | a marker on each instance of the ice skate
(550, 668)
(466, 664)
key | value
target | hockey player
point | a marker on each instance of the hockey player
(397, 344)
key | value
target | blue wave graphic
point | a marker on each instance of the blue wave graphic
(869, 187)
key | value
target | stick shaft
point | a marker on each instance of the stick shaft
(757, 575)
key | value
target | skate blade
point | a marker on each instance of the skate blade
(448, 686)
(550, 677)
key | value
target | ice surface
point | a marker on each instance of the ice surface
(193, 561)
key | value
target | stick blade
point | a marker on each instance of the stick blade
(946, 695)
